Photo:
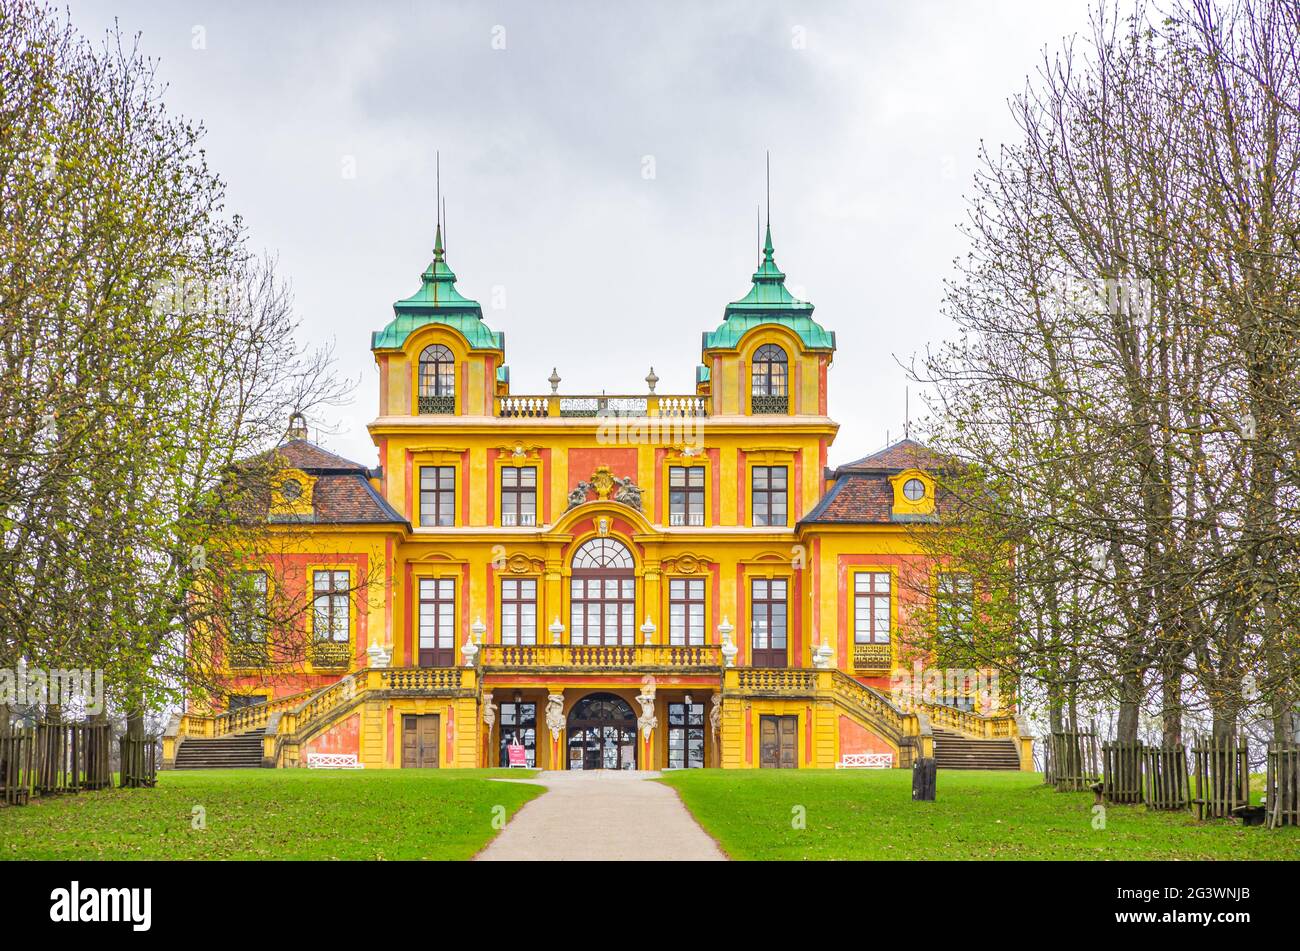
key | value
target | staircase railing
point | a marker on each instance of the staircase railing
(256, 716)
(996, 727)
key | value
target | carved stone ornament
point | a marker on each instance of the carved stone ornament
(684, 564)
(603, 481)
(715, 715)
(489, 711)
(628, 493)
(647, 721)
(555, 714)
(519, 563)
(578, 494)
(606, 485)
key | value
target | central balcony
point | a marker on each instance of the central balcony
(649, 657)
(652, 405)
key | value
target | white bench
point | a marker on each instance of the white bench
(866, 761)
(333, 761)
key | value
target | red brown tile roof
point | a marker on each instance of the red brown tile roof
(350, 499)
(855, 498)
(309, 457)
(904, 454)
(343, 494)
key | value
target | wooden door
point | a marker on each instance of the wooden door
(420, 741)
(778, 746)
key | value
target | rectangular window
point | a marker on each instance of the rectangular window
(955, 602)
(871, 607)
(438, 495)
(769, 623)
(331, 605)
(518, 611)
(686, 611)
(437, 622)
(769, 495)
(685, 495)
(518, 495)
(248, 607)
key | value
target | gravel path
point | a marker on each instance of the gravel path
(602, 815)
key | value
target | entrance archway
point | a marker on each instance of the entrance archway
(602, 733)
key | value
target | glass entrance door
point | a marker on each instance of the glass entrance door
(602, 733)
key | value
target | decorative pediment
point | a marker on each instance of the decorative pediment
(521, 564)
(685, 564)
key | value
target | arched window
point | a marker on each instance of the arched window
(437, 389)
(771, 370)
(602, 596)
(602, 553)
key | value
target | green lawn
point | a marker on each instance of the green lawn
(868, 814)
(273, 814)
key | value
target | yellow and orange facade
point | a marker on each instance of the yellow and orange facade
(644, 581)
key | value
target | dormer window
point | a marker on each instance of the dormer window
(914, 490)
(770, 373)
(437, 385)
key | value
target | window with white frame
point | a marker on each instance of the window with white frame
(686, 611)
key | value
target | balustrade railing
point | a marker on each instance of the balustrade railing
(580, 407)
(601, 656)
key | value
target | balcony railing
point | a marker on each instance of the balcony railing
(602, 656)
(515, 519)
(684, 518)
(770, 404)
(437, 405)
(331, 654)
(579, 407)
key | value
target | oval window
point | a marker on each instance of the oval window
(290, 490)
(914, 490)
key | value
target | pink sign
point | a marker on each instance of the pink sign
(518, 756)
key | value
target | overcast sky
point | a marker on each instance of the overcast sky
(601, 165)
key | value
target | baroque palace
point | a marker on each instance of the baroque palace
(643, 581)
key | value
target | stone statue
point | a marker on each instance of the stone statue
(578, 494)
(715, 715)
(647, 721)
(628, 492)
(489, 711)
(555, 714)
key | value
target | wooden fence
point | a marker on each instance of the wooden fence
(1282, 785)
(1071, 760)
(1222, 771)
(52, 757)
(1165, 785)
(139, 761)
(1121, 772)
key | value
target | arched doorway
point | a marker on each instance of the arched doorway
(602, 733)
(602, 603)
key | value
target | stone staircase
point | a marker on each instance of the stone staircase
(237, 751)
(955, 751)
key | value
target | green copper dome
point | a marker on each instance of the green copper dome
(768, 302)
(437, 302)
